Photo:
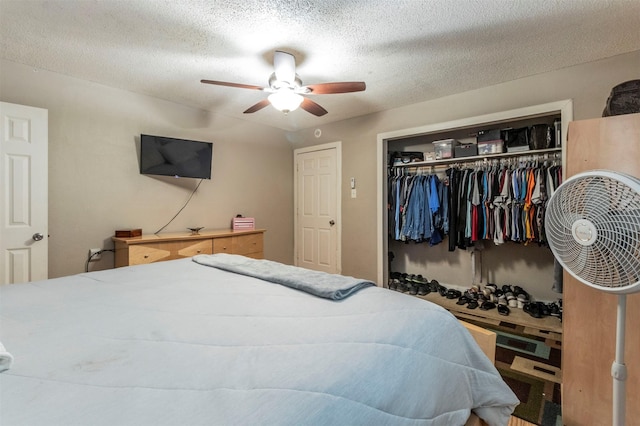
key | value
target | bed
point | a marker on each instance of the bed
(189, 342)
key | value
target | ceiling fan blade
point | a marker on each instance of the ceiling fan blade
(312, 107)
(257, 107)
(285, 66)
(343, 87)
(238, 85)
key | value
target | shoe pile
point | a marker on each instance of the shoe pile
(491, 297)
(486, 298)
(541, 310)
(413, 284)
(506, 298)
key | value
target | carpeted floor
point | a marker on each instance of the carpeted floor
(530, 393)
(539, 399)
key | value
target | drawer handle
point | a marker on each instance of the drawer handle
(146, 256)
(198, 251)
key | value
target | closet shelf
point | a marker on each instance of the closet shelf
(519, 321)
(480, 158)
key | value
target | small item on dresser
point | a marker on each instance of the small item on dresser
(128, 233)
(240, 223)
(196, 231)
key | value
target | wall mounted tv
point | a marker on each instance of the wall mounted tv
(164, 156)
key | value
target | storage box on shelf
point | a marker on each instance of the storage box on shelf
(489, 135)
(491, 147)
(444, 148)
(466, 150)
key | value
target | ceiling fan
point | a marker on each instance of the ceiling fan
(286, 89)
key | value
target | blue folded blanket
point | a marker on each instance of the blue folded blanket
(322, 284)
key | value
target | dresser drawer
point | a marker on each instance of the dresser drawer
(202, 247)
(223, 245)
(247, 244)
(250, 245)
(154, 252)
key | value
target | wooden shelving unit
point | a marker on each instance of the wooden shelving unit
(517, 321)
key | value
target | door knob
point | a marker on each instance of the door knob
(37, 236)
(332, 222)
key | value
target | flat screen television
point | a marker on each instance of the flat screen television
(164, 156)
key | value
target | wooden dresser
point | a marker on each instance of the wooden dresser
(157, 248)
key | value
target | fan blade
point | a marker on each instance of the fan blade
(312, 107)
(238, 85)
(343, 87)
(285, 66)
(257, 107)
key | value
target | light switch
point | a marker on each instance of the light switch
(353, 193)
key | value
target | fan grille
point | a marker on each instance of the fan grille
(593, 229)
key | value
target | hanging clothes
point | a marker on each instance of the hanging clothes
(503, 201)
(418, 208)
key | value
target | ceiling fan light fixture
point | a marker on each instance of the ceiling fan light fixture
(285, 100)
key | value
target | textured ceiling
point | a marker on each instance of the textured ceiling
(406, 51)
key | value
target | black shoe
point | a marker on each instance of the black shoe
(535, 309)
(487, 306)
(453, 294)
(504, 310)
(462, 300)
(442, 290)
(423, 289)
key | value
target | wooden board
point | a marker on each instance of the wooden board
(590, 315)
(517, 320)
(537, 369)
(486, 339)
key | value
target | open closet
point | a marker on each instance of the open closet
(524, 261)
(485, 226)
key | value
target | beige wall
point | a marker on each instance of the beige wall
(588, 85)
(95, 186)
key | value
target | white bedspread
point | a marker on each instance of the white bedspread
(178, 343)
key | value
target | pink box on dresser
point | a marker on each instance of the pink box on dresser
(243, 224)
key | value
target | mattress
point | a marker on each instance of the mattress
(179, 342)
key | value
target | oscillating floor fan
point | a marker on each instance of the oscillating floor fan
(593, 229)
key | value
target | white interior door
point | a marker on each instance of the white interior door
(23, 193)
(317, 227)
